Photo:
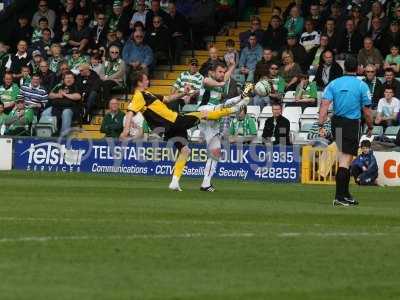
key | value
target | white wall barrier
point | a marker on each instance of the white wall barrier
(389, 168)
(6, 151)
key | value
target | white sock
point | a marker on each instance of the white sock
(209, 170)
(175, 180)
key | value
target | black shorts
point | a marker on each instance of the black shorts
(178, 131)
(346, 133)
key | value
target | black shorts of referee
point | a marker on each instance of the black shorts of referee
(177, 132)
(346, 133)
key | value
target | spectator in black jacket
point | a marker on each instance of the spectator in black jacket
(277, 127)
(155, 11)
(158, 39)
(390, 37)
(44, 44)
(349, 42)
(47, 77)
(392, 81)
(314, 56)
(254, 29)
(23, 31)
(89, 83)
(18, 60)
(213, 58)
(98, 34)
(262, 67)
(328, 70)
(299, 53)
(275, 35)
(331, 32)
(178, 27)
(374, 84)
(80, 34)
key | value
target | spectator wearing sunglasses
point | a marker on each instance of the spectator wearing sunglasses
(374, 84)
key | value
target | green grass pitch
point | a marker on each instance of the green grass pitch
(77, 236)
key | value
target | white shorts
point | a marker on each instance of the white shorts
(210, 130)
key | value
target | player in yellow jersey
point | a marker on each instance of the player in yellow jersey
(175, 125)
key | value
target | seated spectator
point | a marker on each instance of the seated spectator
(242, 128)
(178, 27)
(96, 62)
(336, 13)
(309, 38)
(140, 13)
(290, 71)
(315, 16)
(212, 59)
(388, 109)
(158, 39)
(369, 55)
(9, 92)
(35, 95)
(65, 100)
(47, 77)
(390, 37)
(64, 69)
(44, 44)
(137, 56)
(249, 57)
(80, 34)
(330, 32)
(359, 20)
(392, 60)
(374, 84)
(328, 70)
(35, 62)
(275, 35)
(44, 12)
(377, 11)
(75, 60)
(294, 23)
(191, 79)
(231, 53)
(364, 168)
(318, 132)
(315, 53)
(89, 84)
(349, 42)
(255, 29)
(277, 127)
(138, 128)
(38, 32)
(390, 80)
(19, 119)
(55, 58)
(262, 67)
(98, 34)
(63, 33)
(113, 72)
(306, 93)
(300, 55)
(3, 119)
(115, 20)
(376, 33)
(113, 121)
(69, 9)
(113, 40)
(17, 61)
(23, 31)
(26, 76)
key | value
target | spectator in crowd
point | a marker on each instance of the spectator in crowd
(18, 60)
(56, 58)
(178, 27)
(113, 40)
(137, 55)
(262, 67)
(231, 53)
(126, 17)
(276, 11)
(63, 33)
(349, 42)
(155, 11)
(330, 32)
(65, 103)
(275, 35)
(19, 119)
(113, 72)
(35, 62)
(35, 95)
(26, 76)
(158, 39)
(47, 77)
(212, 59)
(113, 121)
(290, 71)
(192, 79)
(392, 60)
(316, 52)
(89, 84)
(138, 128)
(4, 57)
(44, 44)
(249, 57)
(388, 109)
(80, 34)
(75, 60)
(336, 14)
(364, 168)
(369, 55)
(376, 33)
(70, 10)
(64, 69)
(114, 22)
(277, 127)
(243, 127)
(44, 12)
(294, 23)
(300, 55)
(98, 34)
(390, 37)
(38, 32)
(3, 119)
(390, 80)
(358, 20)
(9, 92)
(328, 70)
(315, 16)
(374, 84)
(310, 37)
(377, 11)
(140, 14)
(255, 29)
(96, 62)
(318, 132)
(23, 31)
(306, 93)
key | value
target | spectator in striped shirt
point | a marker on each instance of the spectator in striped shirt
(191, 78)
(35, 95)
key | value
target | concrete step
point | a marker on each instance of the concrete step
(174, 68)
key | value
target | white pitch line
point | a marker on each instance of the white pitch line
(335, 234)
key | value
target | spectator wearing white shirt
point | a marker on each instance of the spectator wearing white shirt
(140, 14)
(310, 38)
(388, 109)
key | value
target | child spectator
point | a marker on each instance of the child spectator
(392, 60)
(364, 168)
(388, 109)
(231, 53)
(26, 76)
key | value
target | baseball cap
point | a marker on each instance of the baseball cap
(36, 53)
(194, 61)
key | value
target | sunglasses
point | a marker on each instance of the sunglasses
(273, 68)
(114, 52)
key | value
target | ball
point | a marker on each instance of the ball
(263, 88)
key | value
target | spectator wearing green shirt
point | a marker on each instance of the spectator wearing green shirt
(3, 118)
(306, 93)
(113, 121)
(20, 119)
(9, 92)
(243, 127)
(75, 60)
(392, 60)
(294, 23)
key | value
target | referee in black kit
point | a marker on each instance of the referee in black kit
(350, 96)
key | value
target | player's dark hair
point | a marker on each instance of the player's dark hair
(277, 103)
(366, 143)
(217, 64)
(350, 64)
(389, 87)
(43, 19)
(139, 77)
(389, 70)
(230, 43)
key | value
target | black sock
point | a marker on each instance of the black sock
(341, 181)
(347, 185)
